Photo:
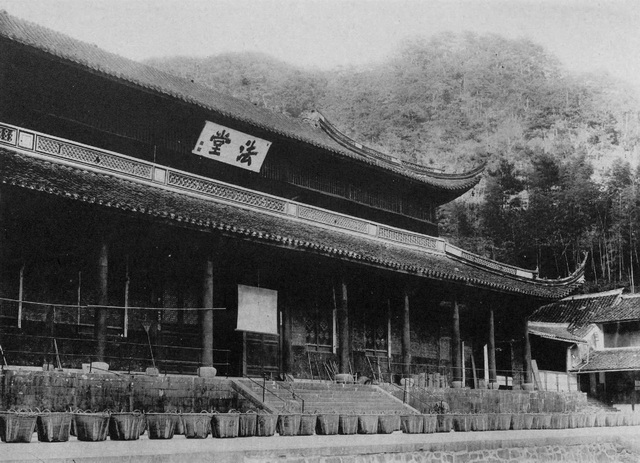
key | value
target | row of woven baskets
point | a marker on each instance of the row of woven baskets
(87, 426)
(518, 421)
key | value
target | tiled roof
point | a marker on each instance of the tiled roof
(118, 68)
(577, 311)
(625, 358)
(555, 331)
(109, 191)
(627, 308)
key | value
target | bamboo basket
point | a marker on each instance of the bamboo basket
(430, 423)
(247, 424)
(266, 424)
(348, 424)
(17, 427)
(161, 425)
(589, 420)
(479, 422)
(125, 425)
(462, 422)
(307, 424)
(91, 427)
(367, 424)
(225, 425)
(445, 423)
(288, 424)
(54, 427)
(412, 424)
(388, 424)
(196, 425)
(328, 424)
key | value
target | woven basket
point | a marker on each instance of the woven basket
(196, 425)
(54, 427)
(445, 423)
(125, 426)
(328, 424)
(367, 424)
(479, 422)
(266, 425)
(92, 427)
(17, 426)
(288, 424)
(225, 425)
(307, 425)
(247, 424)
(348, 424)
(161, 425)
(461, 422)
(430, 423)
(412, 424)
(388, 424)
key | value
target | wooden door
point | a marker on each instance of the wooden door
(261, 354)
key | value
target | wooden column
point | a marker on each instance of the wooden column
(406, 337)
(100, 313)
(207, 315)
(287, 351)
(528, 377)
(343, 327)
(492, 350)
(456, 360)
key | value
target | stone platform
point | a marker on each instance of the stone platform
(585, 445)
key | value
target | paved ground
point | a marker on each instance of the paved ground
(180, 449)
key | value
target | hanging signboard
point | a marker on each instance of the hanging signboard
(231, 147)
(257, 310)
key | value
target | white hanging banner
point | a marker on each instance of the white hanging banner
(257, 310)
(231, 147)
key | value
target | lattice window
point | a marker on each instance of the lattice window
(225, 192)
(332, 219)
(7, 135)
(408, 238)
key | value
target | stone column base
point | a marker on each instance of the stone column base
(207, 372)
(528, 386)
(456, 384)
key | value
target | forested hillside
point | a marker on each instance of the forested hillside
(561, 149)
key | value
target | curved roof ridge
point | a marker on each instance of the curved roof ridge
(418, 169)
(518, 273)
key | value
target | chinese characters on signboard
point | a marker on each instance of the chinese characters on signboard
(231, 147)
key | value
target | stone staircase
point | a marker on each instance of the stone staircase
(325, 397)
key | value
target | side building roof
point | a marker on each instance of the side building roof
(577, 311)
(617, 359)
(96, 60)
(626, 309)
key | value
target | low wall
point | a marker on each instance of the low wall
(581, 453)
(491, 401)
(59, 391)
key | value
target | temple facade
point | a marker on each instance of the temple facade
(149, 221)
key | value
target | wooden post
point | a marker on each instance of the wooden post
(287, 352)
(456, 360)
(207, 315)
(406, 337)
(100, 313)
(343, 328)
(492, 351)
(528, 378)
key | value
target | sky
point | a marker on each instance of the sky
(586, 35)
